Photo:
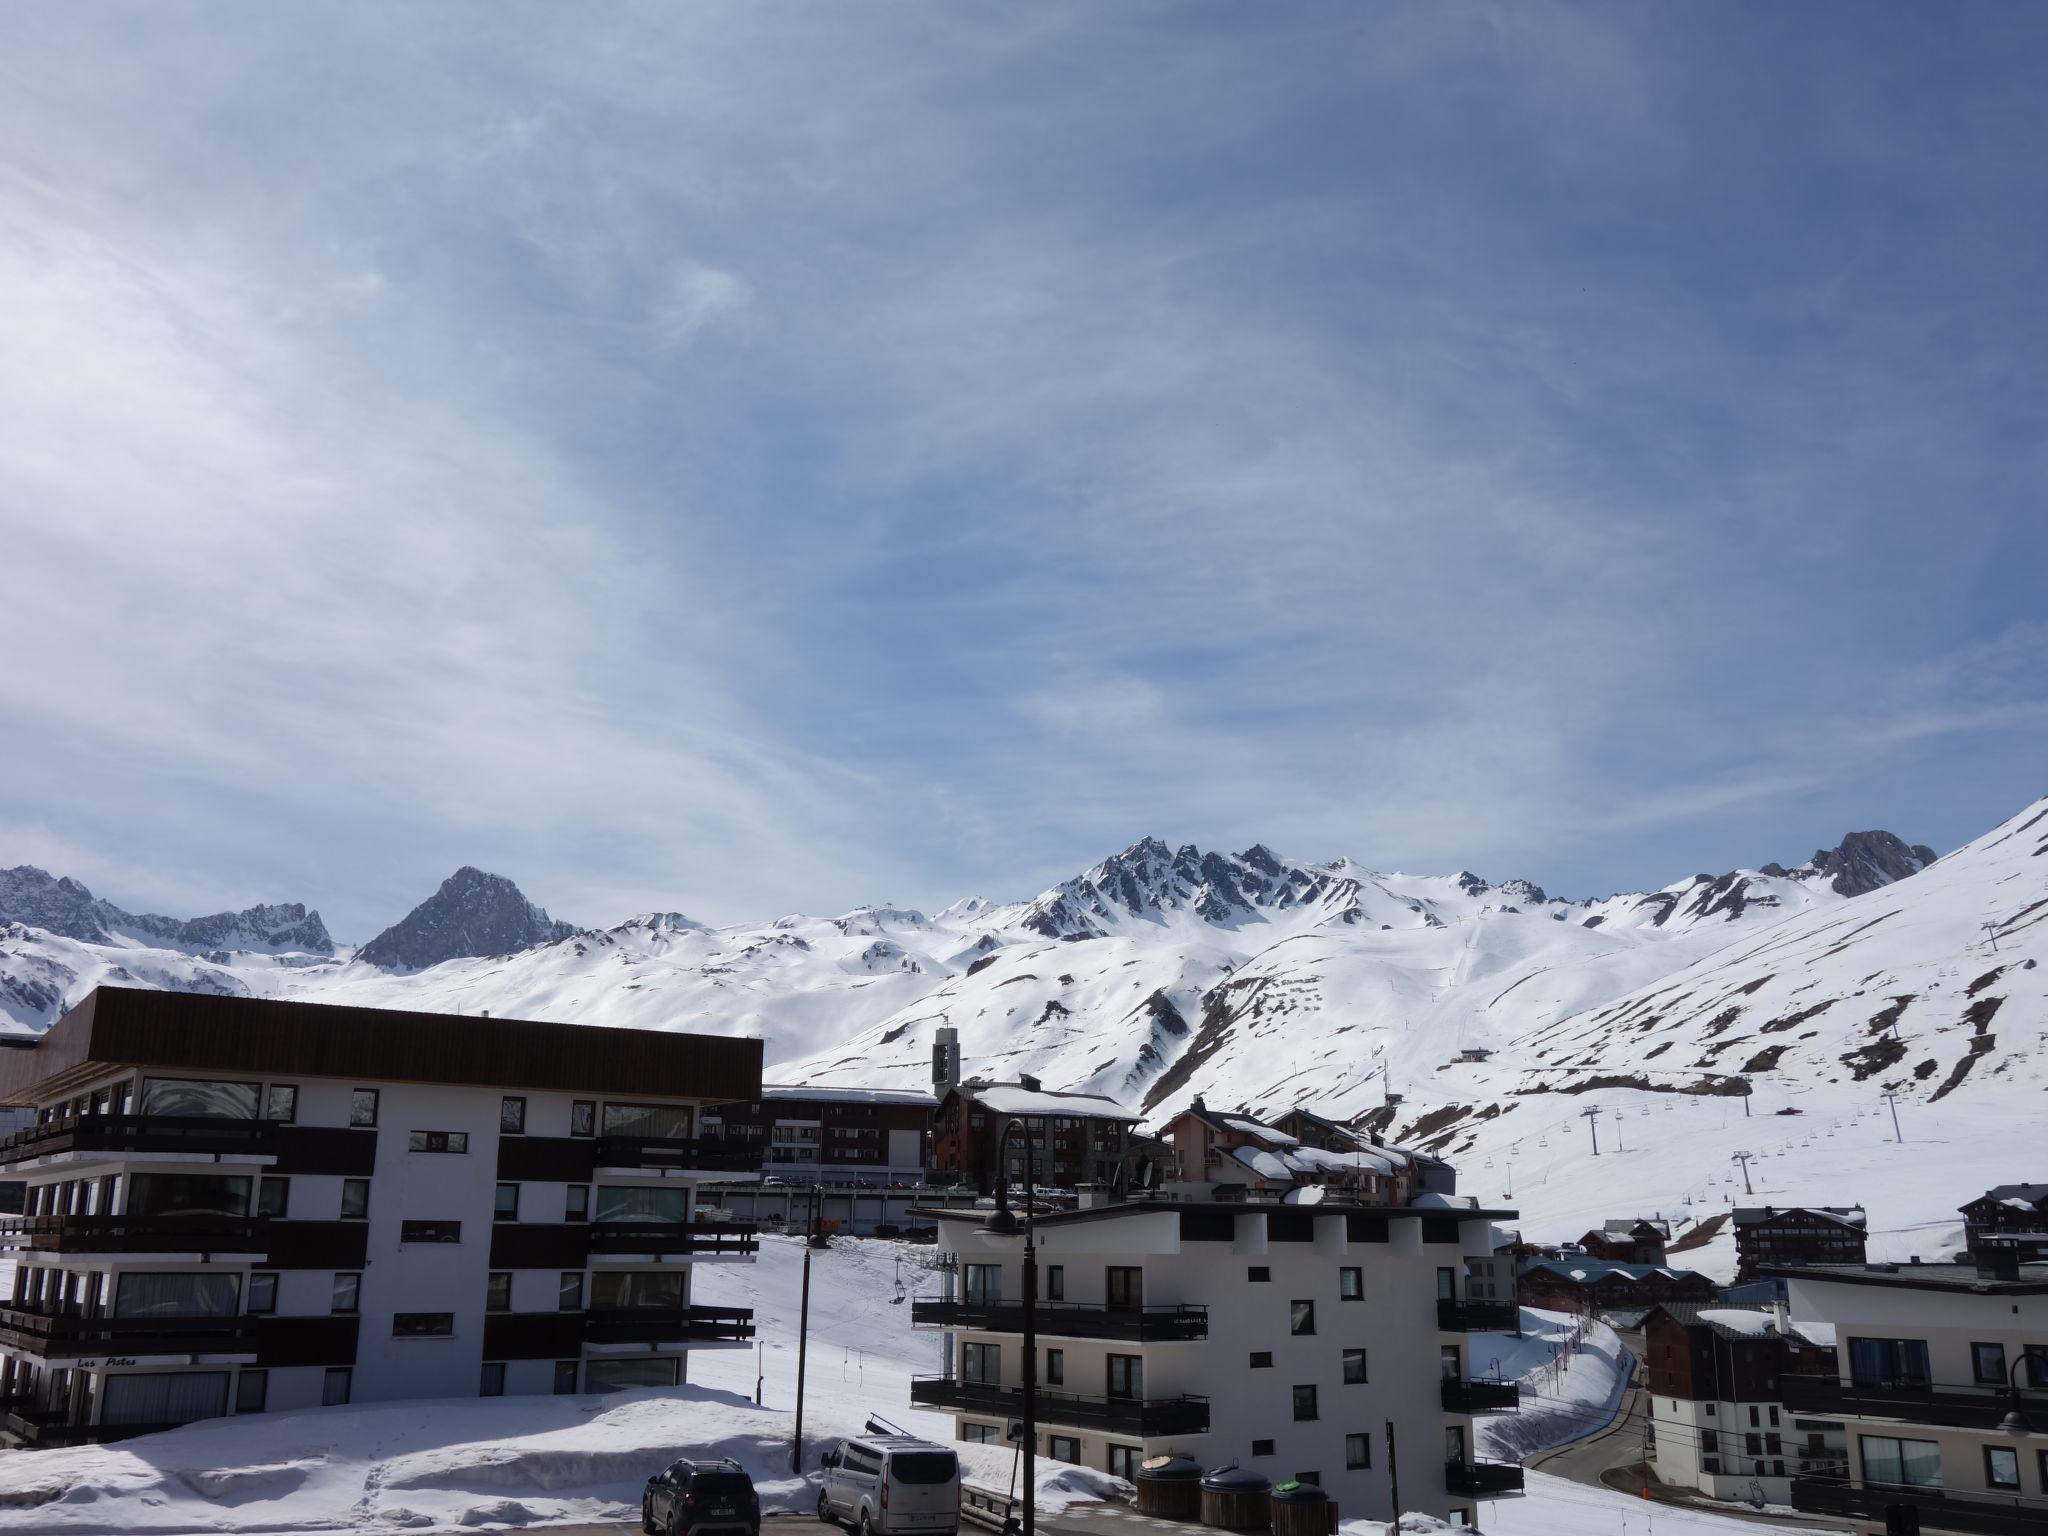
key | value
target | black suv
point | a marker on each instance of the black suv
(688, 1497)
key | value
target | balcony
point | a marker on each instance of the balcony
(1455, 1316)
(1956, 1406)
(141, 1135)
(1069, 1320)
(657, 1153)
(701, 1239)
(1982, 1514)
(1480, 1396)
(64, 1336)
(1482, 1479)
(33, 1427)
(195, 1233)
(693, 1325)
(1139, 1417)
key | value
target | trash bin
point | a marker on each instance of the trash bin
(1302, 1509)
(1169, 1487)
(1236, 1498)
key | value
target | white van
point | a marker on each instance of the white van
(890, 1485)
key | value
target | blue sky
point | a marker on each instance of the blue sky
(751, 458)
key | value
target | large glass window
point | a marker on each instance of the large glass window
(982, 1363)
(177, 1296)
(187, 1194)
(1901, 1463)
(169, 1397)
(984, 1284)
(1888, 1362)
(1125, 1287)
(1126, 1375)
(632, 1202)
(625, 1375)
(262, 1292)
(652, 1122)
(636, 1291)
(187, 1096)
(252, 1391)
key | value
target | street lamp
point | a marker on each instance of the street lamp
(815, 1241)
(2015, 1421)
(1004, 1223)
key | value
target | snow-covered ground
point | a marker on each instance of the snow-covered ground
(1572, 1371)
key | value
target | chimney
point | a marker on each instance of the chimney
(1027, 1082)
(1781, 1318)
(1998, 1261)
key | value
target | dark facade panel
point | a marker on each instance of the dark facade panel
(315, 1244)
(551, 1159)
(305, 1340)
(326, 1149)
(533, 1336)
(540, 1245)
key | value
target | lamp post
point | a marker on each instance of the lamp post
(1004, 1223)
(2015, 1421)
(814, 1241)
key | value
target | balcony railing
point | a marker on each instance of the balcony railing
(64, 1335)
(711, 1153)
(1141, 1417)
(142, 1134)
(1958, 1406)
(179, 1233)
(1480, 1396)
(1980, 1514)
(1454, 1316)
(693, 1325)
(704, 1239)
(38, 1428)
(1069, 1319)
(1483, 1479)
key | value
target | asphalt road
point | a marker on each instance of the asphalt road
(1618, 1445)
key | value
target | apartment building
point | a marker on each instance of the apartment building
(1940, 1378)
(1236, 1151)
(1769, 1235)
(2009, 1216)
(1718, 1421)
(833, 1134)
(237, 1205)
(1075, 1138)
(1289, 1338)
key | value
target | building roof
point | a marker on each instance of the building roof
(1631, 1226)
(1593, 1271)
(780, 1092)
(1023, 1099)
(1113, 1209)
(2021, 1196)
(1740, 1323)
(190, 1032)
(2032, 1281)
(1841, 1215)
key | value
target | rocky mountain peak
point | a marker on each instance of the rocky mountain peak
(50, 902)
(64, 906)
(1147, 880)
(475, 914)
(1862, 862)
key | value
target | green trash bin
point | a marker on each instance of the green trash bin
(1302, 1509)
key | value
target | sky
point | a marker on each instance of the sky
(747, 458)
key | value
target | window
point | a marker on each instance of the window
(630, 1202)
(1055, 1367)
(1753, 1443)
(1902, 1463)
(438, 1141)
(1257, 1274)
(1357, 1452)
(170, 1295)
(1354, 1367)
(492, 1383)
(1304, 1403)
(1710, 1442)
(583, 1117)
(355, 1199)
(1125, 1287)
(1774, 1418)
(1262, 1360)
(1754, 1419)
(181, 1194)
(511, 1122)
(638, 1291)
(2002, 1468)
(206, 1100)
(565, 1378)
(252, 1391)
(1351, 1284)
(1126, 1376)
(648, 1122)
(1056, 1282)
(1889, 1362)
(169, 1397)
(570, 1297)
(281, 1103)
(347, 1293)
(1987, 1361)
(507, 1206)
(273, 1196)
(422, 1325)
(576, 1203)
(982, 1363)
(262, 1293)
(1063, 1448)
(980, 1434)
(362, 1110)
(628, 1375)
(334, 1389)
(1301, 1317)
(1123, 1460)
(984, 1284)
(1451, 1363)
(498, 1293)
(430, 1231)
(1262, 1447)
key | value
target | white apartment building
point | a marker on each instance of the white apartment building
(1940, 1378)
(238, 1205)
(1291, 1338)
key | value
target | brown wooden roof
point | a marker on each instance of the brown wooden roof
(189, 1032)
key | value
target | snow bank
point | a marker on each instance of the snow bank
(1572, 1372)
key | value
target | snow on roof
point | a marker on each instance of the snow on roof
(1846, 1215)
(781, 1091)
(1822, 1334)
(1016, 1099)
(1267, 1165)
(1743, 1320)
(1446, 1202)
(1308, 1194)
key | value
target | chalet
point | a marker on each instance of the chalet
(1075, 1138)
(2015, 1214)
(1602, 1285)
(1628, 1240)
(1236, 1153)
(1796, 1234)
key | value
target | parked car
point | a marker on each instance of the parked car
(694, 1498)
(891, 1485)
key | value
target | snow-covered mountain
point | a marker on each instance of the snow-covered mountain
(474, 915)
